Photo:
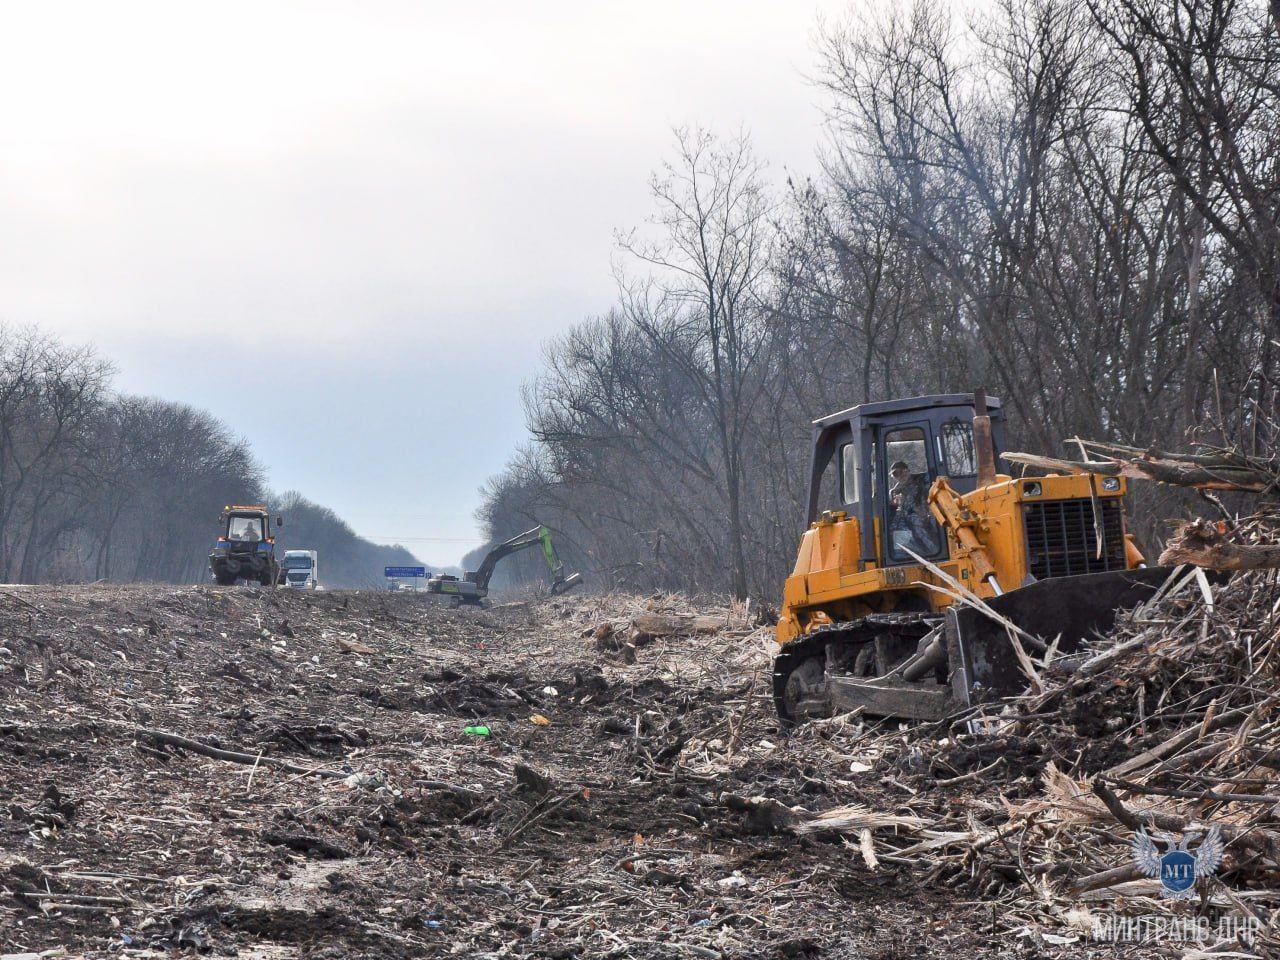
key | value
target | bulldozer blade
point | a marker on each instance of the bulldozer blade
(1069, 609)
(891, 697)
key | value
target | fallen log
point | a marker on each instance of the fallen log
(675, 624)
(217, 753)
(1214, 476)
(769, 815)
(1106, 878)
(658, 624)
(305, 843)
(855, 819)
(1209, 545)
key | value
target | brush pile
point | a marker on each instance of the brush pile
(1171, 727)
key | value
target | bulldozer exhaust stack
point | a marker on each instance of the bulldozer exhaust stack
(984, 446)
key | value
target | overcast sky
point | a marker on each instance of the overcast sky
(345, 228)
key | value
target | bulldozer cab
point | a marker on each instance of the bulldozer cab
(876, 461)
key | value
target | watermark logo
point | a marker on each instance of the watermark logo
(1158, 928)
(1180, 867)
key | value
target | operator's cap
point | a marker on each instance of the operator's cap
(899, 464)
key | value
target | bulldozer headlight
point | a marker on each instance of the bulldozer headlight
(1111, 484)
(1031, 489)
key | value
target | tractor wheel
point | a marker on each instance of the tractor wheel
(224, 578)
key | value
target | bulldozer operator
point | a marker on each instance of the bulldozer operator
(911, 527)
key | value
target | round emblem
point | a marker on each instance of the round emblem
(1177, 871)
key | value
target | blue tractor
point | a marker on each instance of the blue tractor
(245, 549)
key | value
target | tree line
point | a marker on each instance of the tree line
(100, 485)
(1071, 204)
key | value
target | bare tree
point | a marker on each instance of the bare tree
(704, 310)
(94, 485)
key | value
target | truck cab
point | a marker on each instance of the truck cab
(301, 570)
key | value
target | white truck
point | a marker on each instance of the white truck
(301, 570)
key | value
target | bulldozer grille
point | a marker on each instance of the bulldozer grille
(1062, 537)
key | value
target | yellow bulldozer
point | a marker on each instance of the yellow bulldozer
(906, 584)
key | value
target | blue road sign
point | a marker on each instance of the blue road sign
(406, 571)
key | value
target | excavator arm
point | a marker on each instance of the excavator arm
(530, 538)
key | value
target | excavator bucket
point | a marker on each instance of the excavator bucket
(568, 583)
(982, 663)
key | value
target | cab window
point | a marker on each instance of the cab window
(244, 528)
(911, 526)
(831, 487)
(849, 473)
(957, 448)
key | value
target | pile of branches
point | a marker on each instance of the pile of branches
(1168, 728)
(1227, 544)
(1210, 468)
(1170, 725)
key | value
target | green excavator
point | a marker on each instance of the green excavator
(474, 587)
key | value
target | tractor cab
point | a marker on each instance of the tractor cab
(874, 463)
(245, 526)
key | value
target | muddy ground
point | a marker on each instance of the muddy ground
(610, 829)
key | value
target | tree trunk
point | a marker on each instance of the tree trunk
(1207, 545)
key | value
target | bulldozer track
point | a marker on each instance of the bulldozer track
(852, 632)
